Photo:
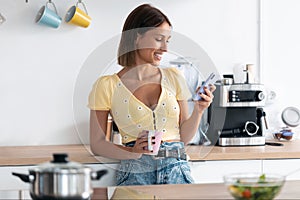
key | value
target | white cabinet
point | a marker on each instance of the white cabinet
(283, 167)
(10, 182)
(213, 171)
(202, 172)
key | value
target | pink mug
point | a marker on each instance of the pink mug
(158, 137)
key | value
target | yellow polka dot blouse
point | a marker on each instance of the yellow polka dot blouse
(131, 115)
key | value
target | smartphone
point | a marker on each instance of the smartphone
(212, 78)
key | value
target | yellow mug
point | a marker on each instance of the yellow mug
(78, 17)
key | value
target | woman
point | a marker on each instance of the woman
(143, 97)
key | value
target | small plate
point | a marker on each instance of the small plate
(291, 116)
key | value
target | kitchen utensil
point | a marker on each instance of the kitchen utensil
(274, 144)
(254, 185)
(48, 17)
(284, 134)
(291, 116)
(249, 73)
(61, 179)
(77, 16)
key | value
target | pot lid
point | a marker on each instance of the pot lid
(61, 164)
(291, 116)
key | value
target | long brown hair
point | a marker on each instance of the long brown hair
(139, 21)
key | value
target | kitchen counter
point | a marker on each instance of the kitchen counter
(197, 191)
(31, 155)
(187, 191)
(289, 150)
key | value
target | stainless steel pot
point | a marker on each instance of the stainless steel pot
(61, 179)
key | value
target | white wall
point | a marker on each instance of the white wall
(40, 65)
(280, 55)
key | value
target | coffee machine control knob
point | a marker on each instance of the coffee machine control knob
(261, 96)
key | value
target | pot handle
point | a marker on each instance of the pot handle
(24, 177)
(98, 174)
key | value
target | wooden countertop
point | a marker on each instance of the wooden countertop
(289, 150)
(289, 191)
(31, 155)
(197, 191)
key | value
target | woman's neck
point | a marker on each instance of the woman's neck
(139, 73)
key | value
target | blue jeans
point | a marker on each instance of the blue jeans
(148, 170)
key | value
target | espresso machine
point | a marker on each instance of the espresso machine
(236, 116)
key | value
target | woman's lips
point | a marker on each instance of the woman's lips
(157, 56)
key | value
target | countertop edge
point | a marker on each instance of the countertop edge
(31, 155)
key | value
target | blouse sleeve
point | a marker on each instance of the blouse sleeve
(182, 90)
(100, 95)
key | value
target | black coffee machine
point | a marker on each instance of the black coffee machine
(236, 117)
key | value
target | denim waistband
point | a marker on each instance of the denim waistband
(163, 145)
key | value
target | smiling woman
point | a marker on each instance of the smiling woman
(139, 21)
(41, 97)
(143, 97)
(152, 44)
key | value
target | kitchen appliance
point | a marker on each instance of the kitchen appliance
(236, 116)
(61, 179)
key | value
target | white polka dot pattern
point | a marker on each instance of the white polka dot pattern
(132, 116)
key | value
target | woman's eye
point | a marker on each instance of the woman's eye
(158, 39)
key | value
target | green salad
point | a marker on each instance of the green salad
(260, 189)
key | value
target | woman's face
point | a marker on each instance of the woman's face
(152, 44)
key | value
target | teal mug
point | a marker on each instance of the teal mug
(48, 17)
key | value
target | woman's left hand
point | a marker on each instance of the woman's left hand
(206, 97)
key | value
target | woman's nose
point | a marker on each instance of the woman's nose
(164, 46)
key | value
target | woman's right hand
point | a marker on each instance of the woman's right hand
(141, 143)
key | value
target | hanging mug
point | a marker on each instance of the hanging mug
(2, 19)
(48, 17)
(77, 16)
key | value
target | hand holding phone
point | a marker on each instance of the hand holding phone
(212, 78)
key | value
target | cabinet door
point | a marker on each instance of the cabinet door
(10, 182)
(214, 171)
(283, 167)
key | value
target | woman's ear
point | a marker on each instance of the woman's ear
(137, 40)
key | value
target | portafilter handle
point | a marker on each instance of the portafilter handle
(261, 114)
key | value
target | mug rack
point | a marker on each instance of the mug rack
(51, 18)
